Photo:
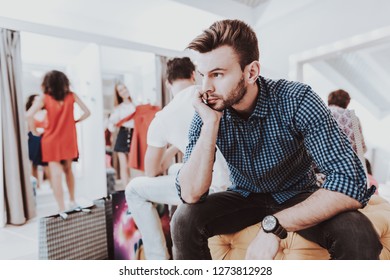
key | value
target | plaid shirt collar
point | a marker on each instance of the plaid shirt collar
(261, 109)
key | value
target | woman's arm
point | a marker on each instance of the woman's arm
(84, 108)
(36, 106)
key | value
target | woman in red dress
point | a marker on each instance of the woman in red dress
(59, 140)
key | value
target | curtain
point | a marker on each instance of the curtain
(17, 188)
(161, 68)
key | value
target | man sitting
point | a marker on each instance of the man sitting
(169, 127)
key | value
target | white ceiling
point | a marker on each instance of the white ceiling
(359, 65)
(367, 71)
(251, 3)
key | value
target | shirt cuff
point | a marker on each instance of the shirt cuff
(349, 187)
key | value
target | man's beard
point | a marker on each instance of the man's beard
(234, 97)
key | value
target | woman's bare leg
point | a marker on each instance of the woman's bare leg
(34, 173)
(67, 166)
(123, 168)
(56, 183)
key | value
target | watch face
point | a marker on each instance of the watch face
(269, 223)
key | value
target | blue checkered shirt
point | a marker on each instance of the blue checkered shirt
(274, 149)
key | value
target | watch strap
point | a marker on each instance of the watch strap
(280, 231)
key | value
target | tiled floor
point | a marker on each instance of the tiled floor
(21, 242)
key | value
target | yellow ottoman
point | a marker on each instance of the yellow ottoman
(295, 247)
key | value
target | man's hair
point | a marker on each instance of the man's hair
(179, 68)
(368, 166)
(30, 101)
(339, 98)
(233, 33)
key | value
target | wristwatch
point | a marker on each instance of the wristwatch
(270, 224)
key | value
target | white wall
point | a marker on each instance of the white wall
(85, 76)
(284, 27)
(376, 131)
(316, 23)
(161, 23)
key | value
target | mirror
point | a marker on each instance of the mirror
(93, 71)
(137, 72)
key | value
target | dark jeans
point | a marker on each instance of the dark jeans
(349, 235)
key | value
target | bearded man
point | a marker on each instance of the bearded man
(270, 133)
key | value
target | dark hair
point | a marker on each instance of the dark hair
(234, 33)
(368, 166)
(179, 68)
(119, 98)
(30, 101)
(56, 84)
(339, 98)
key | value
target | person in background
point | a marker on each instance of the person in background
(270, 132)
(167, 135)
(34, 142)
(108, 142)
(59, 140)
(124, 108)
(338, 102)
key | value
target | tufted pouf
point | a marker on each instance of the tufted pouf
(295, 247)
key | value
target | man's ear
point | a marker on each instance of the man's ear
(252, 72)
(193, 76)
(168, 85)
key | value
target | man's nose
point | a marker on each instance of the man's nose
(207, 85)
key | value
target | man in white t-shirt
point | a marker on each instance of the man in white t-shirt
(169, 127)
